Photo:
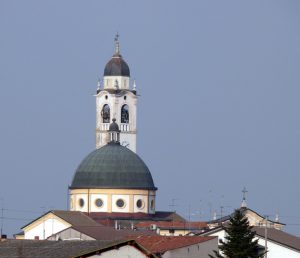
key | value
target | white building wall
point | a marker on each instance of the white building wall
(193, 251)
(45, 229)
(276, 250)
(124, 251)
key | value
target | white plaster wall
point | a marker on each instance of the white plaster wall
(193, 251)
(104, 198)
(145, 202)
(115, 208)
(275, 249)
(110, 82)
(50, 226)
(278, 251)
(124, 251)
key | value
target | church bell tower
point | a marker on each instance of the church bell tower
(116, 99)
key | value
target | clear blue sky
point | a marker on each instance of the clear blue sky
(219, 106)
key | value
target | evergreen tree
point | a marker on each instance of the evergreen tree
(239, 240)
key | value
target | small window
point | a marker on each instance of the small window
(140, 204)
(99, 203)
(81, 202)
(125, 114)
(106, 97)
(125, 97)
(120, 203)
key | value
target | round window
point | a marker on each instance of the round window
(152, 204)
(120, 203)
(81, 202)
(99, 203)
(140, 204)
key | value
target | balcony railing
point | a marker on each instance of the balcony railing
(123, 127)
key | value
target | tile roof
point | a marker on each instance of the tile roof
(161, 244)
(49, 249)
(172, 224)
(159, 215)
(75, 218)
(109, 233)
(72, 217)
(280, 237)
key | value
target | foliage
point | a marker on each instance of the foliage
(239, 240)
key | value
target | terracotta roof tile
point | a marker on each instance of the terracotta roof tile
(161, 244)
(172, 224)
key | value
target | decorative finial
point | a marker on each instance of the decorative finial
(244, 204)
(134, 85)
(117, 44)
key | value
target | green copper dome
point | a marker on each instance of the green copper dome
(113, 167)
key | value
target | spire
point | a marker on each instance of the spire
(117, 44)
(244, 204)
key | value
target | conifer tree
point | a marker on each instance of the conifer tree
(239, 240)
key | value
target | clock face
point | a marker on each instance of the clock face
(125, 144)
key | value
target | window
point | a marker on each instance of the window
(140, 204)
(105, 113)
(81, 202)
(125, 114)
(120, 203)
(99, 203)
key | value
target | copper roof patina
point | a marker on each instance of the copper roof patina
(113, 167)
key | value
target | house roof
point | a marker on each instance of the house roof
(172, 224)
(109, 233)
(158, 216)
(244, 209)
(75, 218)
(47, 249)
(161, 244)
(279, 236)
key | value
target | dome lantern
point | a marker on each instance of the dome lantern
(114, 132)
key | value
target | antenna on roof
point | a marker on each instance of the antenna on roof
(244, 204)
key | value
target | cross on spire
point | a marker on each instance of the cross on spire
(117, 44)
(244, 204)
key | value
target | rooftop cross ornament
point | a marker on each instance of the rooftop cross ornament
(117, 43)
(244, 204)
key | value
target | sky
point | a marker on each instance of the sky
(218, 109)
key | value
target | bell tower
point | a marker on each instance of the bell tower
(116, 99)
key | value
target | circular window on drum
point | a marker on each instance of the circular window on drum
(81, 202)
(140, 204)
(120, 203)
(99, 203)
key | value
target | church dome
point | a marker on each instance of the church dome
(112, 167)
(116, 66)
